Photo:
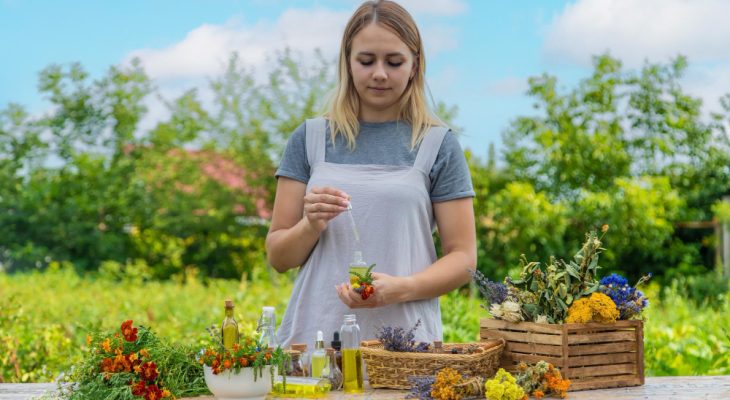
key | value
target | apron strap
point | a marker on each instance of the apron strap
(316, 131)
(429, 148)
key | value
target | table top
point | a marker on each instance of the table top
(668, 387)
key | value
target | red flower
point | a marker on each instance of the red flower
(149, 371)
(129, 332)
(153, 393)
(139, 389)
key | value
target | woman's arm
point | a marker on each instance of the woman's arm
(292, 236)
(455, 220)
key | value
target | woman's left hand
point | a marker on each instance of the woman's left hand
(388, 290)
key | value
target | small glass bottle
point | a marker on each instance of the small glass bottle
(229, 327)
(294, 368)
(351, 357)
(267, 329)
(331, 371)
(319, 356)
(357, 265)
(438, 347)
(304, 357)
(337, 346)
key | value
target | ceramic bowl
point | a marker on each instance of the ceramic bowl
(229, 385)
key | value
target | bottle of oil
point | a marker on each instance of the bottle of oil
(229, 327)
(351, 357)
(331, 371)
(319, 357)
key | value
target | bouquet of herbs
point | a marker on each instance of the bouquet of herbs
(563, 291)
(133, 363)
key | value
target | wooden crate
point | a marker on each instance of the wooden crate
(592, 356)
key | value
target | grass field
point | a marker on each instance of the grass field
(45, 317)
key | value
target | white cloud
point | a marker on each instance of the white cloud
(635, 30)
(508, 86)
(206, 49)
(434, 7)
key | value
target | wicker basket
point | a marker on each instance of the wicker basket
(390, 369)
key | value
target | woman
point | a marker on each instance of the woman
(382, 151)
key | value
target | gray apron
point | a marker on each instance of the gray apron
(394, 216)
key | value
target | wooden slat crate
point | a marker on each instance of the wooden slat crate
(592, 356)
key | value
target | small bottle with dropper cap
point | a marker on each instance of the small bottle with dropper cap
(337, 346)
(319, 356)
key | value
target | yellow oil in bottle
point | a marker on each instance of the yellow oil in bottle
(352, 370)
(301, 387)
(318, 364)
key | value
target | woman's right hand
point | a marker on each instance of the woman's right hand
(321, 204)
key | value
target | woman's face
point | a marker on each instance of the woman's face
(381, 66)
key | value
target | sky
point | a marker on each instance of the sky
(480, 53)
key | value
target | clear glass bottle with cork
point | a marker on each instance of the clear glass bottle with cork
(229, 327)
(331, 371)
(304, 357)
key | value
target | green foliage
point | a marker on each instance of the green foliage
(45, 317)
(626, 148)
(684, 338)
(192, 194)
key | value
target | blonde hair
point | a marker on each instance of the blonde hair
(344, 105)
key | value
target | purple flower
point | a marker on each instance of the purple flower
(493, 292)
(629, 300)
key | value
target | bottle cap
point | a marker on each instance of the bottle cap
(336, 344)
(229, 303)
(268, 310)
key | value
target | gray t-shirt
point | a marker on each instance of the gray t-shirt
(384, 143)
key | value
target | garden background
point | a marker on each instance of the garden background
(160, 225)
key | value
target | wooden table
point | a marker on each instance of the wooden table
(668, 387)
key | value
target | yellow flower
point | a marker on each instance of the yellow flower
(598, 308)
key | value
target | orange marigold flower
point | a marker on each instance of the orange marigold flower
(149, 371)
(538, 394)
(107, 365)
(88, 340)
(153, 393)
(139, 389)
(129, 332)
(243, 361)
(144, 353)
(166, 393)
(227, 364)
